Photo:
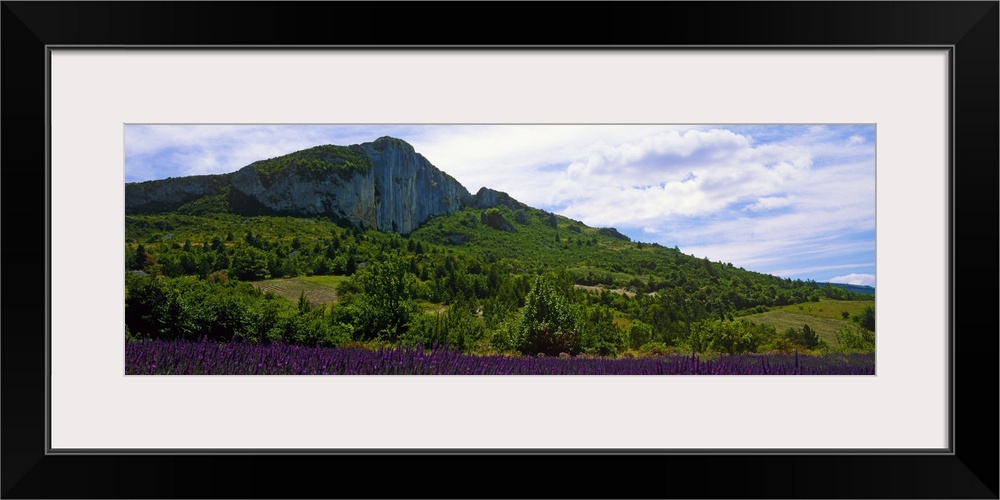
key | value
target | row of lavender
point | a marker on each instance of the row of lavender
(209, 358)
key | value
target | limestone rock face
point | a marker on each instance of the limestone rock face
(408, 189)
(488, 198)
(398, 191)
(293, 190)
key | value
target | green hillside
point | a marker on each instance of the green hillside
(490, 280)
(317, 163)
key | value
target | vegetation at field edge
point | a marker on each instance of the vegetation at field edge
(541, 284)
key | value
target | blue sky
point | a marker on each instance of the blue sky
(796, 201)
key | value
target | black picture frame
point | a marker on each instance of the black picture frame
(969, 28)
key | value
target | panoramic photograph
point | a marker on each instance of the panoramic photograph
(499, 249)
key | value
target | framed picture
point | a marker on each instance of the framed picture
(922, 75)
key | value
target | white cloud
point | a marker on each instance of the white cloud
(769, 203)
(855, 279)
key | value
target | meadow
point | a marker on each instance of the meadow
(320, 291)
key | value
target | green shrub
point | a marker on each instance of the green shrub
(599, 335)
(730, 337)
(639, 334)
(506, 336)
(549, 325)
(856, 339)
(659, 349)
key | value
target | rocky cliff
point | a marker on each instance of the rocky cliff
(383, 185)
(487, 198)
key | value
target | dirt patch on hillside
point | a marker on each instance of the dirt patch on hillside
(598, 289)
(292, 288)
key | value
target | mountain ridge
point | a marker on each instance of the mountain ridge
(384, 184)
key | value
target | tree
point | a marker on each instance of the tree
(304, 304)
(549, 325)
(249, 263)
(385, 304)
(810, 338)
(867, 318)
(140, 258)
(599, 335)
(639, 334)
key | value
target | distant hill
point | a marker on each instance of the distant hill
(865, 289)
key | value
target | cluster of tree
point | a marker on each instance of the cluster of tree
(224, 310)
(378, 304)
(249, 258)
(511, 313)
(856, 339)
(315, 163)
(482, 298)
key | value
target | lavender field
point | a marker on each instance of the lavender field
(155, 357)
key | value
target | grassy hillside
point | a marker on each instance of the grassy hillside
(826, 328)
(828, 308)
(538, 241)
(485, 280)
